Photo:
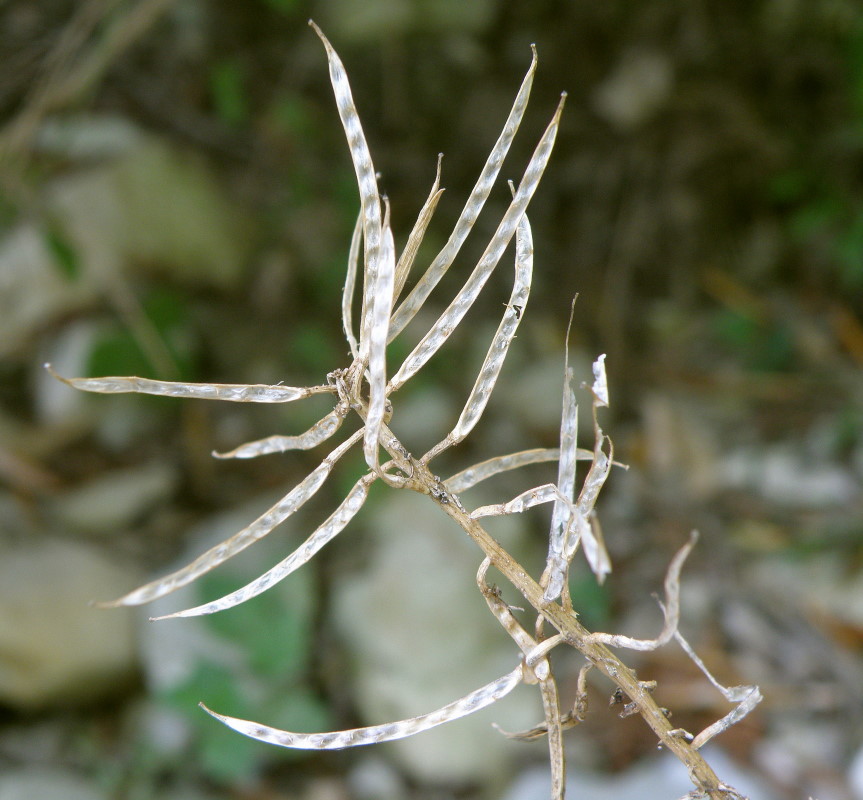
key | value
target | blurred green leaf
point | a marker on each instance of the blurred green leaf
(223, 754)
(64, 254)
(763, 347)
(849, 253)
(590, 599)
(287, 7)
(117, 350)
(291, 113)
(275, 635)
(228, 92)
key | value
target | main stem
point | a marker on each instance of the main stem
(419, 478)
(422, 480)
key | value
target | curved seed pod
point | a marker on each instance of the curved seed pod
(747, 697)
(454, 313)
(532, 497)
(350, 286)
(477, 473)
(472, 208)
(366, 180)
(233, 392)
(670, 609)
(504, 335)
(377, 323)
(326, 532)
(568, 450)
(263, 525)
(355, 737)
(554, 577)
(322, 430)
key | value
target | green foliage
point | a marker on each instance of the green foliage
(823, 203)
(760, 346)
(63, 252)
(272, 634)
(286, 7)
(591, 598)
(119, 350)
(228, 92)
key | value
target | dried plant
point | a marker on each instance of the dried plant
(362, 389)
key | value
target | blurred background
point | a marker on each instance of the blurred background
(177, 202)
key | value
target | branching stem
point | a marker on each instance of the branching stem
(575, 634)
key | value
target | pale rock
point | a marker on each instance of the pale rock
(116, 500)
(46, 783)
(637, 88)
(55, 649)
(661, 777)
(154, 206)
(784, 476)
(420, 636)
(33, 289)
(148, 205)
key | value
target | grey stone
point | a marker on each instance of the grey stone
(114, 501)
(54, 647)
(421, 636)
(42, 783)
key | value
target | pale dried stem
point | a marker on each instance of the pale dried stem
(350, 287)
(670, 610)
(409, 254)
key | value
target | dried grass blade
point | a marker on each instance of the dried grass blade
(263, 525)
(409, 254)
(472, 208)
(379, 311)
(454, 313)
(322, 430)
(366, 180)
(333, 525)
(499, 348)
(233, 392)
(532, 497)
(355, 737)
(670, 609)
(350, 286)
